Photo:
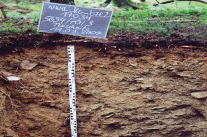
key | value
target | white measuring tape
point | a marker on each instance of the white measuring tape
(72, 93)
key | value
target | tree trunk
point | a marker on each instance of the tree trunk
(71, 2)
(123, 3)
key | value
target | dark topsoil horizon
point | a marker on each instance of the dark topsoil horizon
(16, 42)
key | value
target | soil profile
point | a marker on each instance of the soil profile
(121, 92)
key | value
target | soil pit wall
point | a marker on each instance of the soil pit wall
(119, 93)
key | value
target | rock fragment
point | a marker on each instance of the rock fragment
(199, 95)
(145, 86)
(25, 64)
(132, 62)
(8, 76)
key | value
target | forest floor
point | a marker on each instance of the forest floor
(126, 86)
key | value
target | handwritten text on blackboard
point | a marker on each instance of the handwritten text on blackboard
(81, 21)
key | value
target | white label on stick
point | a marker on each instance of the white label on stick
(72, 91)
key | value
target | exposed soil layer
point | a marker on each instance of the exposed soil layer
(124, 87)
(15, 42)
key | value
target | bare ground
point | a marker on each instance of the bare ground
(121, 92)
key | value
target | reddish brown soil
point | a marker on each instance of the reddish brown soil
(121, 92)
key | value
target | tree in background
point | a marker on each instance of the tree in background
(119, 3)
(71, 2)
(124, 3)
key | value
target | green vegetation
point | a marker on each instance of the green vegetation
(150, 20)
(155, 21)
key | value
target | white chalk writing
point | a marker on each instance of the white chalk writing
(76, 20)
(57, 8)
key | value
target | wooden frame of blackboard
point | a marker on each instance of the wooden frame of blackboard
(74, 20)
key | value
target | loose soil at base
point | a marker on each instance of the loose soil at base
(127, 86)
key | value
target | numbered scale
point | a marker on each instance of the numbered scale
(72, 91)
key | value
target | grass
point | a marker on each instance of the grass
(146, 21)
(17, 22)
(151, 20)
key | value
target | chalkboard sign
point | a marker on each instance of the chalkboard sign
(74, 20)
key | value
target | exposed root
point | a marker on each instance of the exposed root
(12, 104)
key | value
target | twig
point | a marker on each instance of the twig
(10, 100)
(202, 1)
(179, 34)
(172, 21)
(192, 47)
(21, 83)
(157, 1)
(189, 2)
(180, 21)
(66, 119)
(2, 10)
(173, 8)
(28, 21)
(3, 78)
(163, 2)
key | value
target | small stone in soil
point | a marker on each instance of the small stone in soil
(25, 64)
(199, 94)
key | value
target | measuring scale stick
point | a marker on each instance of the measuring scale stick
(72, 91)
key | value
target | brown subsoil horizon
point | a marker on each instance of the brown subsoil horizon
(126, 86)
